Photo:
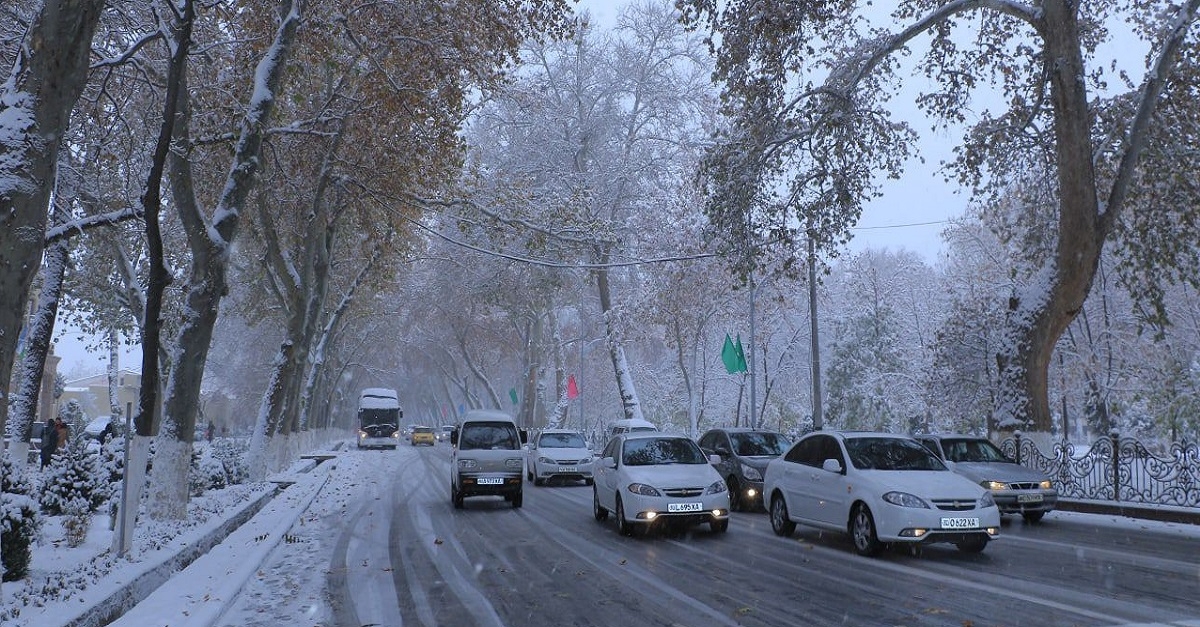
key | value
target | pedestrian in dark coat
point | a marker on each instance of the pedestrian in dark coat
(49, 442)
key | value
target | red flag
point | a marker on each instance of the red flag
(572, 389)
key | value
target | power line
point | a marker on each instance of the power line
(897, 226)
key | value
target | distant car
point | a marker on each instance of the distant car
(646, 479)
(422, 435)
(1016, 488)
(559, 454)
(744, 456)
(631, 425)
(443, 434)
(880, 488)
(487, 458)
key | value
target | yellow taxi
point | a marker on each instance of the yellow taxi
(422, 435)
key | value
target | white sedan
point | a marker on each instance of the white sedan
(559, 454)
(649, 478)
(880, 488)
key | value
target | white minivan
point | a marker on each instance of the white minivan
(488, 458)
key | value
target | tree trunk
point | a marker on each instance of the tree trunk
(47, 77)
(630, 404)
(37, 343)
(1039, 317)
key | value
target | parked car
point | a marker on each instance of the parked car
(645, 479)
(487, 457)
(422, 435)
(1016, 488)
(744, 456)
(561, 454)
(880, 488)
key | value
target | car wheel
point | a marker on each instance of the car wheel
(588, 482)
(862, 530)
(598, 510)
(975, 544)
(735, 494)
(529, 475)
(780, 523)
(516, 500)
(456, 497)
(539, 482)
(719, 526)
(1033, 518)
(625, 527)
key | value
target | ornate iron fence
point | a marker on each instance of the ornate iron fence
(1116, 469)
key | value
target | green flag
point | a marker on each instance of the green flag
(732, 356)
(512, 393)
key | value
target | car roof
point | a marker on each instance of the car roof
(486, 415)
(950, 436)
(741, 430)
(561, 431)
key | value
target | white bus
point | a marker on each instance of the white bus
(379, 416)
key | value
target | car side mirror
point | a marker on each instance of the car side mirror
(832, 465)
(608, 462)
(714, 459)
(524, 436)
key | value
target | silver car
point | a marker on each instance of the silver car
(1017, 489)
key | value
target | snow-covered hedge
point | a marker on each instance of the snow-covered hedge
(73, 478)
(19, 519)
(217, 464)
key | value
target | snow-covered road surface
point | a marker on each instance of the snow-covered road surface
(381, 545)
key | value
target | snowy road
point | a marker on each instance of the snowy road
(383, 546)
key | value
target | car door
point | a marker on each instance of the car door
(605, 476)
(720, 446)
(829, 490)
(795, 478)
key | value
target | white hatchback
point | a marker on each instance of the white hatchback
(880, 488)
(646, 479)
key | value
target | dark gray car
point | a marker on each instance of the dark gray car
(744, 456)
(1016, 488)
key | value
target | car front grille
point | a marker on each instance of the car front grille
(954, 505)
(684, 492)
(1023, 485)
(567, 462)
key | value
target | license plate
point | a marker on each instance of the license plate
(1029, 498)
(491, 480)
(960, 523)
(684, 507)
(567, 469)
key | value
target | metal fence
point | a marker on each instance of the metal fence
(1116, 469)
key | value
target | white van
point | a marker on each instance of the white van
(488, 458)
(630, 425)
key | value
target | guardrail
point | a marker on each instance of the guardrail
(1116, 469)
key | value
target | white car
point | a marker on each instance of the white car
(559, 453)
(645, 479)
(880, 488)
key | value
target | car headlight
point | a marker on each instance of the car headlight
(546, 460)
(643, 489)
(904, 499)
(586, 460)
(467, 464)
(986, 500)
(993, 485)
(717, 487)
(751, 473)
(513, 462)
(1046, 485)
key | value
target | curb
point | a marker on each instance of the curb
(1162, 513)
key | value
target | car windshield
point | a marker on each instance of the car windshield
(653, 451)
(973, 450)
(874, 453)
(561, 440)
(759, 443)
(489, 435)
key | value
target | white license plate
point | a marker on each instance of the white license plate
(491, 480)
(675, 508)
(960, 523)
(567, 469)
(1029, 498)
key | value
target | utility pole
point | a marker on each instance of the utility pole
(817, 417)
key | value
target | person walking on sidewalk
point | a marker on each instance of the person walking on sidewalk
(49, 441)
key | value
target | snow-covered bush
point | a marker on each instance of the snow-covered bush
(232, 453)
(217, 465)
(73, 474)
(78, 519)
(19, 519)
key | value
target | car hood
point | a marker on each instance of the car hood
(998, 471)
(563, 453)
(758, 462)
(673, 475)
(937, 484)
